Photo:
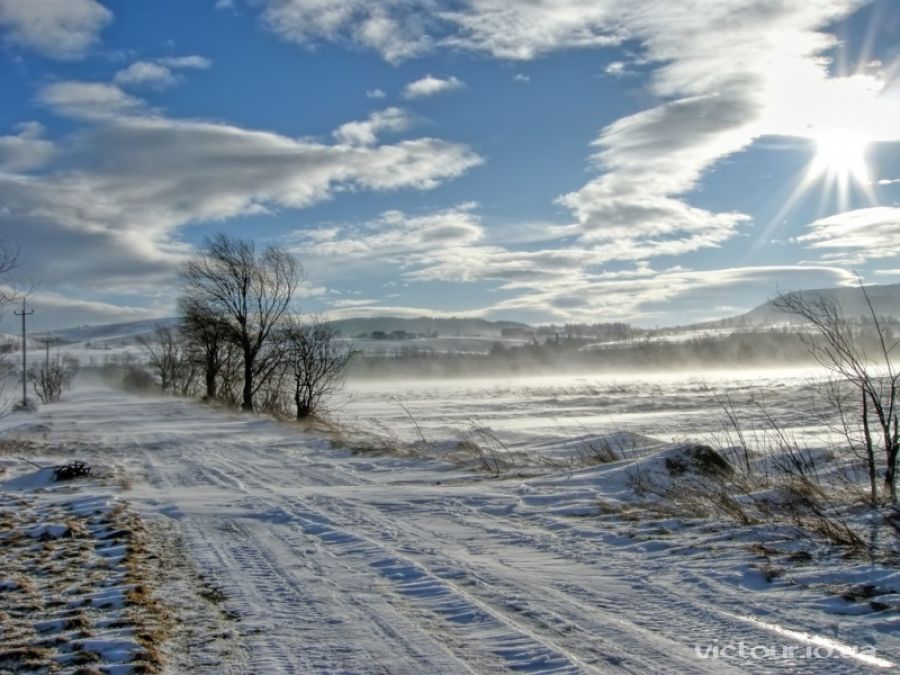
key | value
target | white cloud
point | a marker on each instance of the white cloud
(863, 234)
(365, 132)
(889, 181)
(344, 303)
(26, 150)
(192, 61)
(59, 29)
(401, 29)
(521, 77)
(375, 94)
(616, 69)
(430, 85)
(146, 74)
(377, 310)
(88, 99)
(724, 73)
(394, 234)
(645, 295)
(719, 90)
(111, 206)
(157, 74)
(558, 281)
(58, 310)
(394, 28)
(526, 30)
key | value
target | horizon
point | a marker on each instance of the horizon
(645, 166)
(425, 317)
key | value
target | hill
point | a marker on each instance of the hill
(885, 299)
(449, 327)
(113, 331)
(445, 327)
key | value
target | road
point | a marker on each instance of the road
(335, 562)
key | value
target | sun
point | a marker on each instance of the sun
(838, 171)
(841, 155)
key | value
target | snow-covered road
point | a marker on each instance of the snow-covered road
(341, 563)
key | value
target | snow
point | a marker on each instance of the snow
(332, 561)
(549, 413)
(48, 531)
(29, 481)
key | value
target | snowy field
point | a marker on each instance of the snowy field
(551, 415)
(317, 559)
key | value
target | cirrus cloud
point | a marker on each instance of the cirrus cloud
(861, 234)
(402, 29)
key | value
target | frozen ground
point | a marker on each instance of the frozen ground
(82, 579)
(334, 562)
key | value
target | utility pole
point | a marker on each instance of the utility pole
(24, 314)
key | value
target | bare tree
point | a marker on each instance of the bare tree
(838, 348)
(50, 378)
(167, 358)
(207, 337)
(230, 385)
(315, 360)
(250, 290)
(9, 259)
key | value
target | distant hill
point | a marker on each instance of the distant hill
(885, 299)
(113, 331)
(449, 327)
(128, 332)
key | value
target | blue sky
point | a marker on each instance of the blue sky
(556, 160)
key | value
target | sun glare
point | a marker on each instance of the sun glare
(838, 171)
(841, 154)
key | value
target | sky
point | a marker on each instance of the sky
(646, 161)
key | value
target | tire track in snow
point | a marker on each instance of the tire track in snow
(468, 626)
(591, 636)
(298, 615)
(434, 586)
(661, 625)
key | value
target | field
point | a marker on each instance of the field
(381, 544)
(549, 415)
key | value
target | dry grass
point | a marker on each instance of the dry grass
(61, 590)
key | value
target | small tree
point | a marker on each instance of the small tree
(50, 378)
(249, 290)
(9, 257)
(167, 358)
(207, 337)
(871, 372)
(315, 360)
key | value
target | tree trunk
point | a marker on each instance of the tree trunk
(870, 453)
(247, 402)
(890, 474)
(210, 383)
(303, 408)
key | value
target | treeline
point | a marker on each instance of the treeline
(239, 341)
(759, 348)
